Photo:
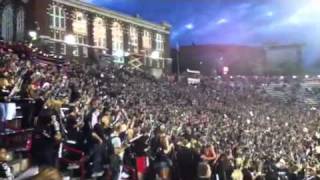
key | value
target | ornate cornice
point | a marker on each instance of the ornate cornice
(165, 28)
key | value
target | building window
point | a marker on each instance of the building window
(99, 33)
(20, 24)
(159, 42)
(85, 51)
(117, 39)
(158, 64)
(7, 23)
(81, 40)
(76, 51)
(63, 49)
(57, 18)
(149, 62)
(133, 39)
(57, 34)
(57, 22)
(163, 64)
(80, 30)
(154, 63)
(146, 40)
(79, 24)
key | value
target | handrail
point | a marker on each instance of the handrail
(16, 131)
(73, 150)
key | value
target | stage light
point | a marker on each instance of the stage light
(306, 76)
(318, 76)
(222, 21)
(70, 39)
(281, 77)
(189, 26)
(270, 13)
(294, 77)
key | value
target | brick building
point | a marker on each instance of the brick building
(96, 32)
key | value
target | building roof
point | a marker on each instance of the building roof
(164, 28)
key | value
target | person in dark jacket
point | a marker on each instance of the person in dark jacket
(45, 139)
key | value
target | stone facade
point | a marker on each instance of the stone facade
(98, 32)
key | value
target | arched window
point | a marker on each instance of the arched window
(159, 42)
(57, 22)
(80, 29)
(146, 40)
(7, 23)
(117, 38)
(57, 18)
(20, 24)
(80, 24)
(99, 32)
(133, 40)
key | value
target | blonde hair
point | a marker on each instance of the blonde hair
(54, 104)
(106, 120)
(49, 173)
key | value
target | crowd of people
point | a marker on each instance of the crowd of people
(123, 120)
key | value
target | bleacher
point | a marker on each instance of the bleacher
(308, 94)
(276, 91)
(16, 136)
(15, 133)
(305, 93)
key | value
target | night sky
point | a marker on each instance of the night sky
(247, 22)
